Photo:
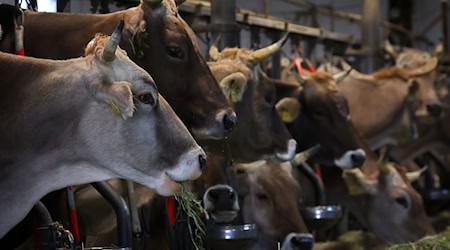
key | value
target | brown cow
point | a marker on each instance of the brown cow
(157, 39)
(391, 97)
(270, 199)
(324, 118)
(382, 200)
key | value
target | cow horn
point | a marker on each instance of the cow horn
(109, 52)
(390, 49)
(264, 53)
(305, 155)
(415, 175)
(300, 79)
(214, 52)
(438, 49)
(342, 75)
(427, 68)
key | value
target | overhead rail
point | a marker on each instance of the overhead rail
(252, 18)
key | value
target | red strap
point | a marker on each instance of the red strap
(311, 68)
(73, 219)
(170, 207)
(318, 173)
(20, 52)
(298, 65)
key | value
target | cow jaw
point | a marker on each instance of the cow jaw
(188, 168)
(351, 159)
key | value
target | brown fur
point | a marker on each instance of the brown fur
(391, 72)
(325, 79)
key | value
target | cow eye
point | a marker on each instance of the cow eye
(261, 196)
(175, 52)
(402, 201)
(147, 98)
(269, 99)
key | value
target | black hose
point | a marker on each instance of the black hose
(316, 181)
(44, 217)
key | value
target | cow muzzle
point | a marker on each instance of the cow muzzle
(223, 123)
(190, 167)
(221, 203)
(351, 159)
(289, 153)
(435, 109)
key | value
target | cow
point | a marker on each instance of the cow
(270, 200)
(262, 134)
(412, 59)
(157, 39)
(324, 118)
(408, 96)
(84, 120)
(382, 200)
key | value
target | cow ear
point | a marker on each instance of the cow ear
(233, 86)
(118, 96)
(288, 108)
(358, 183)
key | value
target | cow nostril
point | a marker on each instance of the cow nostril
(358, 159)
(435, 109)
(231, 195)
(229, 121)
(214, 195)
(202, 161)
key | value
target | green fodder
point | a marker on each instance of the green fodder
(437, 242)
(191, 206)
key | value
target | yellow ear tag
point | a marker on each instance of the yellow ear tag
(353, 190)
(234, 95)
(286, 116)
(114, 107)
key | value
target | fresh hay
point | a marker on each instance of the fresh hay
(437, 242)
(191, 206)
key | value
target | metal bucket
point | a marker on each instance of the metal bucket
(227, 237)
(321, 217)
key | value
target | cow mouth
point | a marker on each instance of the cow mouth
(222, 216)
(169, 185)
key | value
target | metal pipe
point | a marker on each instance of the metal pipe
(308, 171)
(371, 38)
(136, 223)
(124, 233)
(44, 217)
(276, 58)
(223, 22)
(445, 24)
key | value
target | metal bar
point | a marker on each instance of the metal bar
(136, 223)
(444, 7)
(124, 233)
(371, 38)
(251, 18)
(276, 58)
(308, 171)
(223, 22)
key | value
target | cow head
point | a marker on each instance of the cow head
(270, 196)
(324, 119)
(135, 147)
(260, 133)
(389, 205)
(167, 48)
(421, 66)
